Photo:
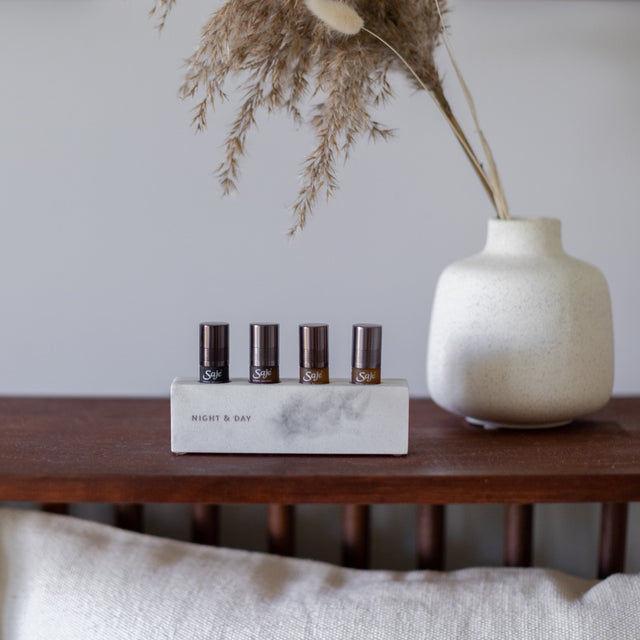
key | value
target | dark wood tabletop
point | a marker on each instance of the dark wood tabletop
(118, 450)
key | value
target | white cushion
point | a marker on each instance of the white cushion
(65, 578)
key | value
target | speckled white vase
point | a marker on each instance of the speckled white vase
(521, 333)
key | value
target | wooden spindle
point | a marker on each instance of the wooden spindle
(61, 508)
(281, 529)
(204, 523)
(130, 516)
(430, 536)
(518, 527)
(613, 538)
(355, 536)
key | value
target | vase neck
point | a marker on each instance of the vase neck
(541, 236)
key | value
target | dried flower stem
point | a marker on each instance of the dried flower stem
(443, 106)
(499, 199)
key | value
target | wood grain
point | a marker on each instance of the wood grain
(356, 538)
(518, 535)
(130, 516)
(281, 527)
(205, 527)
(117, 450)
(431, 537)
(613, 539)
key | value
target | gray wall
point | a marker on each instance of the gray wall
(115, 241)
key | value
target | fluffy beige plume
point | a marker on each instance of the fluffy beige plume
(337, 15)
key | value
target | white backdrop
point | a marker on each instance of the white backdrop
(115, 241)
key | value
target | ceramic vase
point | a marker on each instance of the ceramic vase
(521, 333)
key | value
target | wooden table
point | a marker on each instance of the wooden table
(57, 450)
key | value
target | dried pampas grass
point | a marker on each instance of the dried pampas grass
(340, 52)
(161, 10)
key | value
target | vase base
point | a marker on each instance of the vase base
(486, 424)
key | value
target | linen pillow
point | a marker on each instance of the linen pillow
(66, 578)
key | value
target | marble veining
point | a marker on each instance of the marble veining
(239, 417)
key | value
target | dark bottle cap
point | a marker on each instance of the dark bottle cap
(264, 345)
(367, 346)
(214, 344)
(314, 346)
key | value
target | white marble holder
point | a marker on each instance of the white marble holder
(289, 417)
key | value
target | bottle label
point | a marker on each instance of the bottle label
(212, 375)
(314, 376)
(365, 376)
(264, 375)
